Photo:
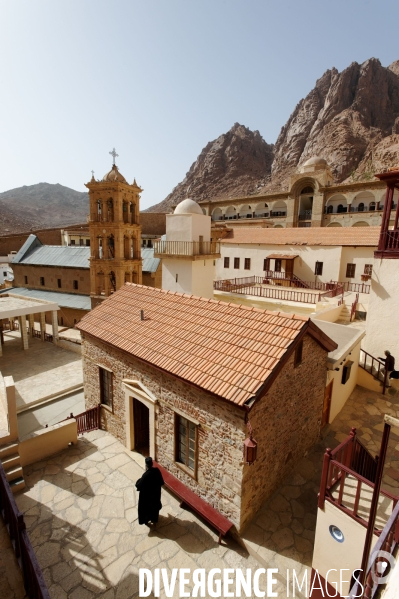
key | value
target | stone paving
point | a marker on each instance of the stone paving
(42, 371)
(80, 509)
(283, 531)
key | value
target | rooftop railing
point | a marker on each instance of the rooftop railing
(186, 248)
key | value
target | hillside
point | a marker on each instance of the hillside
(350, 118)
(41, 205)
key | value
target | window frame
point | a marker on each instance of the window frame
(298, 354)
(180, 464)
(42, 282)
(26, 279)
(277, 264)
(318, 268)
(236, 264)
(105, 373)
(75, 284)
(368, 269)
(226, 262)
(59, 284)
(247, 263)
(350, 270)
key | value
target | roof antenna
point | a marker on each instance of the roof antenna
(141, 314)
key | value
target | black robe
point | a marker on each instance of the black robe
(149, 486)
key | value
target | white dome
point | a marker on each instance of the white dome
(188, 207)
(315, 161)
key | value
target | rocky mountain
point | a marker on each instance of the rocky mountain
(236, 163)
(350, 118)
(39, 206)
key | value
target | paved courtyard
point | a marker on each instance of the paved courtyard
(42, 371)
(80, 509)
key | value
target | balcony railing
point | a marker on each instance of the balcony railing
(186, 248)
(307, 215)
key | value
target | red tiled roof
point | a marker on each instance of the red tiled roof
(352, 236)
(227, 349)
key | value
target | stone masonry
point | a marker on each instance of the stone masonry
(286, 423)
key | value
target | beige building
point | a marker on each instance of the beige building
(311, 200)
(115, 234)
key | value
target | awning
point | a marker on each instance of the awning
(283, 256)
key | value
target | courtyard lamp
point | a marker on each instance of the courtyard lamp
(250, 447)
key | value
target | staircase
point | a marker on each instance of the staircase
(10, 459)
(375, 368)
(299, 283)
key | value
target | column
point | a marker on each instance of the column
(42, 325)
(54, 322)
(1, 338)
(24, 332)
(31, 324)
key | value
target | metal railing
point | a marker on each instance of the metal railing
(277, 293)
(306, 215)
(38, 334)
(388, 541)
(375, 367)
(350, 458)
(186, 248)
(34, 583)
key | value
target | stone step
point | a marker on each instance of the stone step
(17, 484)
(10, 461)
(13, 473)
(7, 450)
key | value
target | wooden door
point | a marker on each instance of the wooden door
(289, 268)
(326, 404)
(141, 416)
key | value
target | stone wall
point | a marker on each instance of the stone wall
(286, 423)
(51, 275)
(153, 223)
(221, 429)
(67, 317)
(13, 242)
(153, 279)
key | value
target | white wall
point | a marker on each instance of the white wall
(188, 227)
(382, 316)
(359, 256)
(340, 392)
(304, 265)
(334, 258)
(193, 276)
(329, 553)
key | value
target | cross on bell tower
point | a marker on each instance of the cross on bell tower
(114, 155)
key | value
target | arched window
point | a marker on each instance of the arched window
(307, 190)
(340, 208)
(360, 208)
(330, 209)
(372, 206)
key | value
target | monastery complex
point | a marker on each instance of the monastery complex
(226, 341)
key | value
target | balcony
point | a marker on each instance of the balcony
(306, 215)
(193, 250)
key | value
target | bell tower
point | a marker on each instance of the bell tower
(115, 233)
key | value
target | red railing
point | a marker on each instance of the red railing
(88, 421)
(388, 541)
(34, 583)
(350, 458)
(375, 367)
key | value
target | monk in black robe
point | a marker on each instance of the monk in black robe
(149, 487)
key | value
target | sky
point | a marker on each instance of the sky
(159, 79)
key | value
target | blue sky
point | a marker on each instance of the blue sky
(158, 79)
